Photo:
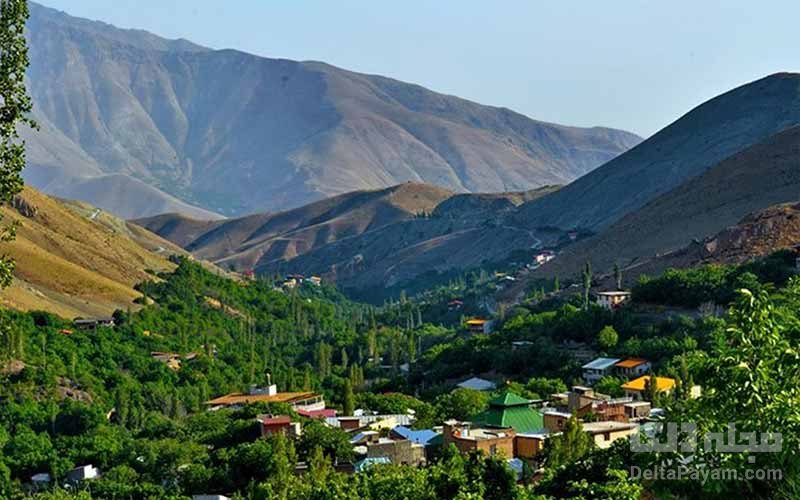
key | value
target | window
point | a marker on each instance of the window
(493, 450)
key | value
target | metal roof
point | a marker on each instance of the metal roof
(601, 364)
(478, 384)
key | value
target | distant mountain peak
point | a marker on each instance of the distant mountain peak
(235, 133)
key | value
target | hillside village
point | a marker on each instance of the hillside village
(225, 276)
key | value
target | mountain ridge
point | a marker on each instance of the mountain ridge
(701, 138)
(236, 133)
(761, 176)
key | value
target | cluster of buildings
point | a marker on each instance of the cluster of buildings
(613, 300)
(292, 281)
(635, 371)
(73, 478)
(92, 323)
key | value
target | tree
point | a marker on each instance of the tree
(651, 388)
(556, 285)
(332, 441)
(543, 387)
(607, 338)
(15, 104)
(348, 399)
(611, 386)
(587, 283)
(569, 446)
(618, 276)
(461, 404)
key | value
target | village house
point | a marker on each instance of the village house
(92, 323)
(510, 411)
(478, 325)
(612, 300)
(597, 369)
(306, 401)
(82, 473)
(605, 433)
(477, 384)
(544, 257)
(41, 480)
(373, 422)
(637, 388)
(637, 410)
(529, 445)
(209, 497)
(321, 414)
(555, 420)
(280, 424)
(585, 402)
(364, 437)
(632, 367)
(492, 442)
(424, 437)
(403, 451)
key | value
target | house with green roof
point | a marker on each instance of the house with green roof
(509, 410)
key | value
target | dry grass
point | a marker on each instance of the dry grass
(71, 264)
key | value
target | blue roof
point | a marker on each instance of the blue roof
(601, 364)
(367, 463)
(419, 437)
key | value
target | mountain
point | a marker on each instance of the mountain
(757, 235)
(74, 260)
(762, 175)
(363, 238)
(688, 147)
(235, 133)
(251, 241)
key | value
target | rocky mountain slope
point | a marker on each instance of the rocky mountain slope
(236, 133)
(363, 238)
(756, 235)
(74, 260)
(691, 145)
(763, 175)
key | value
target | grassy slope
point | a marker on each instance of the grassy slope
(71, 264)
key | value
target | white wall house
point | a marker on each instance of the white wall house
(599, 368)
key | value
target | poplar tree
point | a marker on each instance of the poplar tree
(15, 104)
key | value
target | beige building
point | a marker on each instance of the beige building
(605, 433)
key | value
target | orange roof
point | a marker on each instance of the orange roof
(238, 398)
(476, 321)
(638, 384)
(631, 363)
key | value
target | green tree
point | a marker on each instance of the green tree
(617, 276)
(15, 104)
(348, 399)
(651, 388)
(461, 404)
(587, 283)
(607, 338)
(611, 386)
(543, 387)
(569, 446)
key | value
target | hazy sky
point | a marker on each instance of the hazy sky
(636, 65)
